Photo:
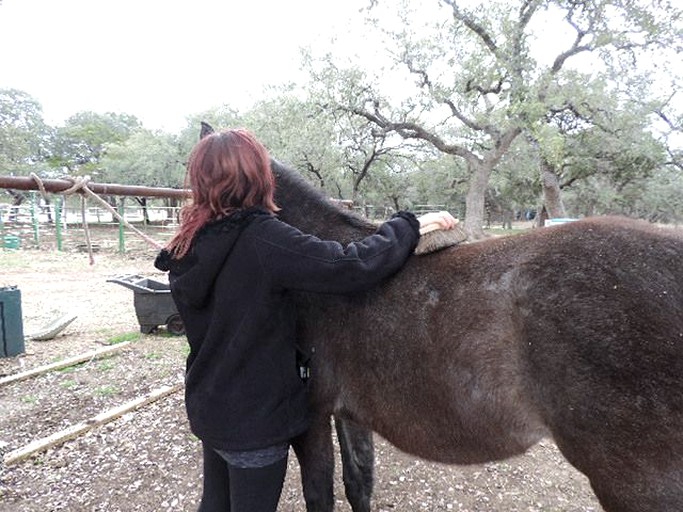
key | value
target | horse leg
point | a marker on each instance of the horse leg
(358, 457)
(315, 452)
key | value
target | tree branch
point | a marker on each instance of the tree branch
(472, 24)
(526, 11)
(426, 82)
(575, 49)
(502, 144)
(410, 130)
(495, 89)
(668, 121)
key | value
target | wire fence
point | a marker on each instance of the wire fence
(55, 227)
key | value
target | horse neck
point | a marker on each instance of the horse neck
(327, 222)
(307, 209)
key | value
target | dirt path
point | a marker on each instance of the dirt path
(148, 460)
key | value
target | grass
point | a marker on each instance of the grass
(186, 349)
(29, 399)
(69, 384)
(107, 391)
(165, 334)
(121, 338)
(70, 369)
(106, 365)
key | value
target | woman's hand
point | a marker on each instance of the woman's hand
(436, 220)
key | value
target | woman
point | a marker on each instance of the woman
(231, 266)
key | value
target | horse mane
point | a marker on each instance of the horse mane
(309, 209)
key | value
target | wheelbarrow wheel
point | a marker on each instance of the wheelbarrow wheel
(148, 329)
(175, 325)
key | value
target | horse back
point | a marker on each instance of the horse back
(511, 339)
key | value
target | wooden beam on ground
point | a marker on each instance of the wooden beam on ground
(95, 354)
(112, 189)
(75, 430)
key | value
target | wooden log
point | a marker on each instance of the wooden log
(84, 426)
(95, 354)
(112, 189)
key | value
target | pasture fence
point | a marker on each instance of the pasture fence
(61, 227)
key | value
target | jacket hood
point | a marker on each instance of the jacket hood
(192, 277)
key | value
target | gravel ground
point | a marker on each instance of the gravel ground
(148, 460)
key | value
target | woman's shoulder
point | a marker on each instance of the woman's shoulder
(270, 227)
(236, 219)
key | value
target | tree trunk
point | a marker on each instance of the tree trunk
(17, 199)
(142, 201)
(480, 173)
(552, 197)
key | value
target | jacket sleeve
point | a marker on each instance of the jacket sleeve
(298, 261)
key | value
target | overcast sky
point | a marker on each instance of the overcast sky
(159, 60)
(162, 60)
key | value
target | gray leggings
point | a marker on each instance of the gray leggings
(231, 488)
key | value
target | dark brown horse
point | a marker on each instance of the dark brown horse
(475, 353)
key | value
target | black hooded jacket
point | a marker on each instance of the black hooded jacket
(243, 389)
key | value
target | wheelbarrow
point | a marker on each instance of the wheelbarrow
(154, 305)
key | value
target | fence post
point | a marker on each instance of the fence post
(58, 222)
(2, 231)
(34, 218)
(122, 242)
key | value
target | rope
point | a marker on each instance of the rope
(79, 183)
(80, 186)
(84, 219)
(40, 184)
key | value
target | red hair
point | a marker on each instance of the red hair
(227, 171)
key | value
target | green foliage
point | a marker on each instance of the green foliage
(515, 184)
(80, 144)
(657, 198)
(299, 132)
(23, 134)
(439, 180)
(144, 158)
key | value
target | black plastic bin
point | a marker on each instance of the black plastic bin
(154, 305)
(11, 322)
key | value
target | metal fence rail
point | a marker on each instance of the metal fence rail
(52, 228)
